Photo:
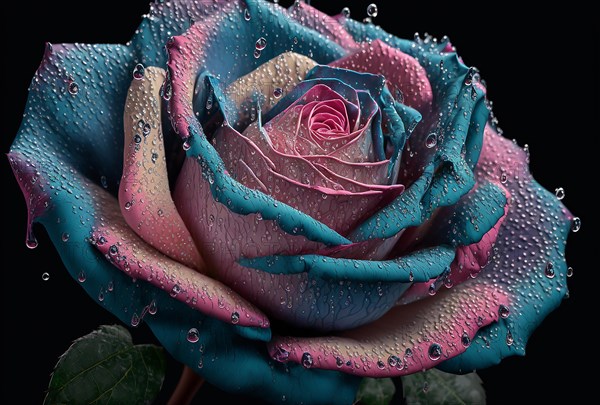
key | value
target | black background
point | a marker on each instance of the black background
(540, 67)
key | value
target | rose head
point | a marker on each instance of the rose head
(283, 167)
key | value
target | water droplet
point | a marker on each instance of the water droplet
(372, 10)
(73, 88)
(395, 362)
(103, 181)
(576, 224)
(339, 362)
(570, 272)
(81, 277)
(503, 178)
(307, 360)
(235, 318)
(187, 144)
(138, 71)
(560, 193)
(113, 250)
(257, 53)
(367, 20)
(509, 338)
(380, 364)
(209, 102)
(152, 308)
(295, 40)
(277, 92)
(435, 351)
(261, 43)
(45, 276)
(247, 15)
(549, 270)
(432, 289)
(346, 12)
(110, 286)
(101, 295)
(281, 355)
(193, 335)
(411, 276)
(465, 339)
(135, 320)
(408, 353)
(175, 290)
(431, 140)
(146, 129)
(425, 387)
(65, 237)
(503, 311)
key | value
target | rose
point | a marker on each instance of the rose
(338, 268)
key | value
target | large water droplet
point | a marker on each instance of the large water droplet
(395, 362)
(247, 15)
(549, 270)
(175, 290)
(503, 311)
(65, 237)
(187, 144)
(45, 276)
(193, 335)
(261, 43)
(435, 351)
(509, 338)
(277, 92)
(73, 88)
(281, 355)
(570, 272)
(135, 320)
(431, 140)
(30, 241)
(372, 10)
(257, 53)
(81, 277)
(138, 71)
(560, 193)
(307, 360)
(576, 224)
(235, 318)
(152, 308)
(346, 12)
(465, 339)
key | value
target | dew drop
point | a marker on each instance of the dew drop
(103, 181)
(281, 355)
(247, 15)
(101, 295)
(560, 193)
(193, 335)
(576, 224)
(431, 140)
(261, 43)
(380, 364)
(65, 237)
(549, 270)
(503, 311)
(509, 338)
(135, 320)
(187, 144)
(235, 318)
(73, 88)
(277, 92)
(411, 276)
(570, 272)
(503, 178)
(307, 360)
(339, 362)
(435, 351)
(110, 286)
(113, 250)
(395, 362)
(81, 277)
(138, 71)
(408, 353)
(465, 339)
(372, 10)
(209, 102)
(175, 290)
(346, 12)
(45, 276)
(257, 53)
(146, 129)
(152, 308)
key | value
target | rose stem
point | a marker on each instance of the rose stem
(187, 387)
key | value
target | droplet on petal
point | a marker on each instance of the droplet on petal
(277, 92)
(431, 140)
(435, 351)
(560, 193)
(503, 311)
(235, 318)
(346, 12)
(73, 88)
(307, 360)
(576, 224)
(193, 335)
(138, 71)
(261, 43)
(549, 270)
(247, 15)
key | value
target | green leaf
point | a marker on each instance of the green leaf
(436, 387)
(375, 391)
(104, 367)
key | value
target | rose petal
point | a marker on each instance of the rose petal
(530, 269)
(324, 24)
(402, 72)
(406, 340)
(211, 45)
(144, 195)
(272, 80)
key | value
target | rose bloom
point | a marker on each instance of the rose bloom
(290, 201)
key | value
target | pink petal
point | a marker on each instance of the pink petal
(144, 195)
(401, 71)
(315, 199)
(130, 253)
(406, 340)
